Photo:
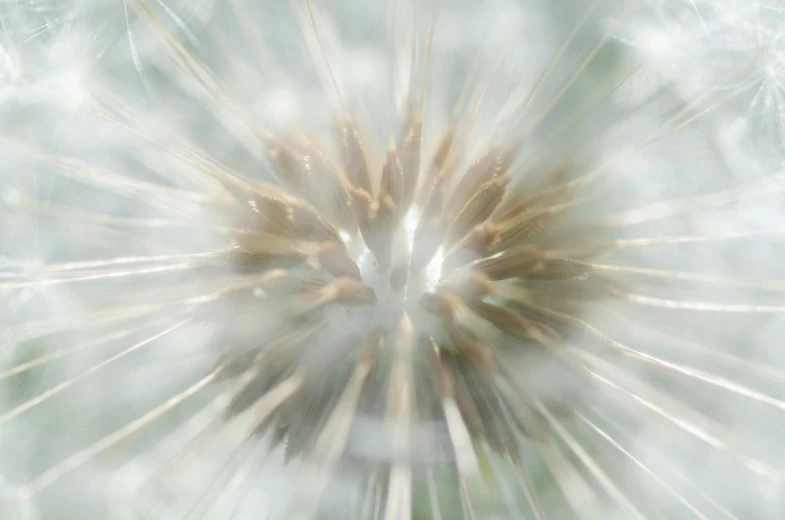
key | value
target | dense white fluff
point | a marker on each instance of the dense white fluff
(546, 282)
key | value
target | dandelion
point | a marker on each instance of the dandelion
(390, 260)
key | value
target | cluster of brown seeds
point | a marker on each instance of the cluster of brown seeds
(447, 352)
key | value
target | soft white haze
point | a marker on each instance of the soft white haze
(399, 259)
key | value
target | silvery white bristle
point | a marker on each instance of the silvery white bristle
(403, 259)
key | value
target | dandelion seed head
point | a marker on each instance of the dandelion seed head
(399, 260)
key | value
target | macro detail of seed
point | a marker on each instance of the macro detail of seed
(392, 260)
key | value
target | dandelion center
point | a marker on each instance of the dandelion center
(395, 290)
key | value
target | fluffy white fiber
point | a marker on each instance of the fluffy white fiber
(400, 259)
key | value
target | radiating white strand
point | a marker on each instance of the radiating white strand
(65, 351)
(74, 461)
(14, 412)
(672, 467)
(641, 465)
(590, 464)
(702, 306)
